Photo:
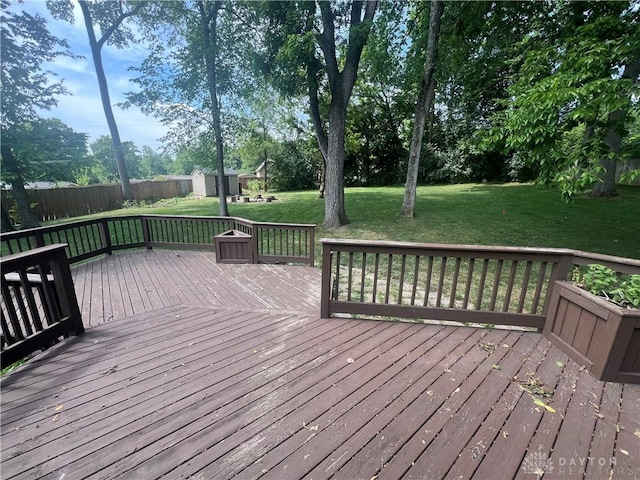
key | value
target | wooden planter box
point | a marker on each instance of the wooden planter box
(234, 246)
(599, 334)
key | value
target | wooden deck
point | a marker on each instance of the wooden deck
(127, 284)
(227, 371)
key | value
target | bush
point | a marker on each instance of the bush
(623, 290)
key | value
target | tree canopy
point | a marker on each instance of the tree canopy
(325, 92)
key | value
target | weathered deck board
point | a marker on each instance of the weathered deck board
(130, 283)
(226, 371)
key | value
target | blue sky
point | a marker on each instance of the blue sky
(82, 109)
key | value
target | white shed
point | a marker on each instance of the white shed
(205, 183)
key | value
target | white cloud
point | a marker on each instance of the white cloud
(82, 110)
(84, 113)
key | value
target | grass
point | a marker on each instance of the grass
(485, 214)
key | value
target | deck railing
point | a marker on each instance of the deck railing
(39, 304)
(272, 242)
(462, 283)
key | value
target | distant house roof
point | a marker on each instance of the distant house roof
(260, 167)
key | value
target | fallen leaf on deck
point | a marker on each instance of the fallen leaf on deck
(505, 345)
(622, 450)
(131, 378)
(505, 434)
(59, 407)
(636, 433)
(110, 370)
(350, 360)
(619, 427)
(448, 370)
(374, 477)
(540, 403)
(495, 367)
(55, 418)
(430, 393)
(488, 347)
(264, 470)
(255, 351)
(560, 364)
(314, 428)
(600, 416)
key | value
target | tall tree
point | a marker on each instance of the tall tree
(423, 106)
(195, 73)
(208, 18)
(26, 45)
(109, 16)
(295, 32)
(341, 84)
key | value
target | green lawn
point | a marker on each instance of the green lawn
(507, 214)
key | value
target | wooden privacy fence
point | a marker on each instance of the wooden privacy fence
(55, 203)
(463, 283)
(39, 304)
(271, 242)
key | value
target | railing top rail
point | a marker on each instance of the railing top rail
(7, 260)
(443, 246)
(58, 226)
(283, 225)
(577, 255)
(599, 257)
(184, 217)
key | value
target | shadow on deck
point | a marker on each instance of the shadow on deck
(220, 371)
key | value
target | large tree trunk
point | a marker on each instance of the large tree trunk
(96, 46)
(27, 217)
(606, 186)
(209, 20)
(335, 214)
(6, 225)
(318, 128)
(423, 106)
(341, 84)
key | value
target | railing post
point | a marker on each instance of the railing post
(560, 271)
(325, 291)
(105, 237)
(39, 238)
(63, 282)
(312, 246)
(145, 231)
(254, 241)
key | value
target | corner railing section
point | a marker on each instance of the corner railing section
(39, 304)
(271, 242)
(462, 283)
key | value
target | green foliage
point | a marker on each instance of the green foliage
(570, 93)
(623, 290)
(253, 186)
(103, 168)
(292, 168)
(47, 149)
(26, 48)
